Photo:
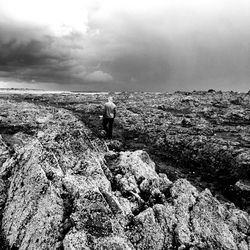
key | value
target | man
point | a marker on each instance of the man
(108, 117)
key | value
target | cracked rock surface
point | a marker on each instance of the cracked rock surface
(202, 136)
(60, 188)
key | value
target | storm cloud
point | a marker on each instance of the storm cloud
(133, 45)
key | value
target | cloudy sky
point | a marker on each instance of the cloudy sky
(154, 45)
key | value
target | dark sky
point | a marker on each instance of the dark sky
(104, 45)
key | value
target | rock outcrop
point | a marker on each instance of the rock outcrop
(60, 188)
(202, 134)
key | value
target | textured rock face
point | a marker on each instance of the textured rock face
(60, 189)
(206, 133)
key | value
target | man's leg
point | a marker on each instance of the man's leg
(104, 124)
(110, 127)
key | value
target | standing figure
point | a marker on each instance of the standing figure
(108, 117)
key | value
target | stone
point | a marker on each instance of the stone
(243, 186)
(76, 240)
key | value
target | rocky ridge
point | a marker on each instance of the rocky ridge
(61, 188)
(201, 135)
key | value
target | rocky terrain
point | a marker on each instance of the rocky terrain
(62, 186)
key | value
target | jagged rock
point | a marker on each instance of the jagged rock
(60, 189)
(193, 219)
(76, 240)
(222, 233)
(242, 191)
(243, 186)
(33, 211)
(137, 163)
(198, 131)
(145, 232)
(114, 145)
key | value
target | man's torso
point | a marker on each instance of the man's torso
(109, 110)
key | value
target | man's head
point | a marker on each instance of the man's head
(110, 99)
